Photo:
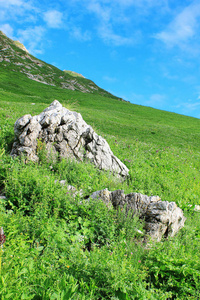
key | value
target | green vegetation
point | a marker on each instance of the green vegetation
(61, 247)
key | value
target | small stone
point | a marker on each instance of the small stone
(70, 187)
(197, 208)
(62, 182)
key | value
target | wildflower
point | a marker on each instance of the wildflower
(139, 261)
(81, 238)
(131, 253)
(68, 267)
(111, 253)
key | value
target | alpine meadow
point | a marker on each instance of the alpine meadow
(59, 245)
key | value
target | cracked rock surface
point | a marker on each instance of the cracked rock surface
(65, 133)
(162, 218)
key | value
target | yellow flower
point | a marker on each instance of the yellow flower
(68, 267)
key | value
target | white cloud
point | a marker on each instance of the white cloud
(144, 4)
(189, 108)
(16, 10)
(111, 18)
(109, 36)
(7, 29)
(53, 18)
(6, 3)
(16, 6)
(103, 12)
(167, 75)
(109, 79)
(79, 35)
(183, 28)
(156, 100)
(190, 105)
(33, 38)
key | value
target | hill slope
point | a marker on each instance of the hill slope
(17, 66)
(14, 56)
(63, 247)
(110, 116)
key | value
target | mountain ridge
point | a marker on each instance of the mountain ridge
(15, 56)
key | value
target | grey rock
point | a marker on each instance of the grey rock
(66, 133)
(74, 191)
(71, 189)
(162, 218)
(63, 182)
(197, 207)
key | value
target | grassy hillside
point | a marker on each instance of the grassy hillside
(129, 120)
(14, 56)
(58, 247)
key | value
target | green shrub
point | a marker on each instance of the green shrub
(174, 265)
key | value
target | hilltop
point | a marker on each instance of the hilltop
(14, 56)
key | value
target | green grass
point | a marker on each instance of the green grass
(58, 247)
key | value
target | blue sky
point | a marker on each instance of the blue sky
(145, 51)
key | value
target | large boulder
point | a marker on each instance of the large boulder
(162, 218)
(66, 133)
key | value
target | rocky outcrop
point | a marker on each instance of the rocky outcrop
(162, 218)
(64, 133)
(21, 46)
